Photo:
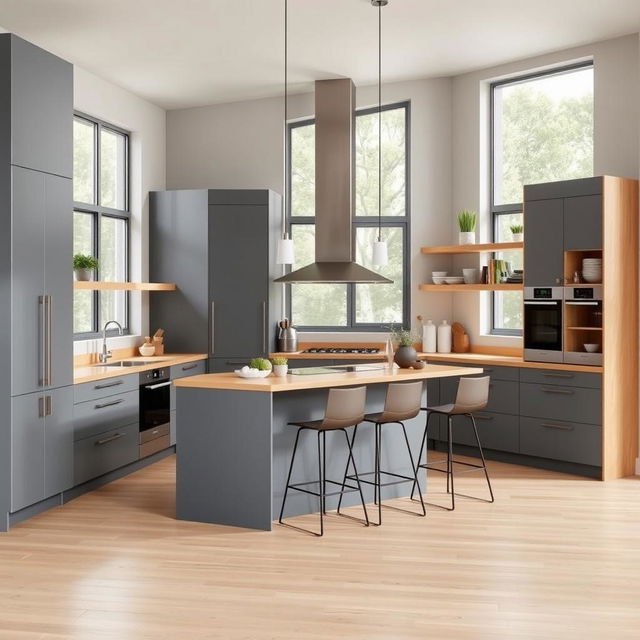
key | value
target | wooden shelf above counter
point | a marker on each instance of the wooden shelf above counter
(489, 247)
(124, 286)
(451, 288)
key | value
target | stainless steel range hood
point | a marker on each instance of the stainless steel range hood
(335, 110)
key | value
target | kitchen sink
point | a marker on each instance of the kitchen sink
(129, 363)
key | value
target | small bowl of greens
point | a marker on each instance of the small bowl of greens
(257, 368)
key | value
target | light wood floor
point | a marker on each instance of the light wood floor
(555, 557)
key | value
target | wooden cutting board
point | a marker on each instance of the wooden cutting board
(460, 338)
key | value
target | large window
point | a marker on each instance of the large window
(542, 131)
(342, 306)
(101, 219)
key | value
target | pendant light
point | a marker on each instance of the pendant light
(380, 255)
(284, 248)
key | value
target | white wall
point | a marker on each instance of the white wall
(616, 140)
(147, 124)
(241, 145)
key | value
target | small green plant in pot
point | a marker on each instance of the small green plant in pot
(467, 224)
(405, 356)
(517, 231)
(84, 267)
(280, 366)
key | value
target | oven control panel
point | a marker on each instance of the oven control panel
(154, 375)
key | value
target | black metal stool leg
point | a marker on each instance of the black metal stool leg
(286, 490)
(422, 446)
(484, 463)
(355, 475)
(320, 483)
(415, 470)
(346, 469)
(376, 476)
(450, 463)
(324, 472)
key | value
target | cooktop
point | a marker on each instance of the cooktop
(348, 350)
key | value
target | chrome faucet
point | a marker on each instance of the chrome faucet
(106, 354)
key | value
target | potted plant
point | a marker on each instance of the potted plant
(405, 356)
(517, 231)
(467, 223)
(84, 266)
(280, 367)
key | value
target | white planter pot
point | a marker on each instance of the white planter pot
(518, 237)
(280, 370)
(467, 237)
(83, 275)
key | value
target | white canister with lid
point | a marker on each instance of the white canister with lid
(429, 337)
(444, 337)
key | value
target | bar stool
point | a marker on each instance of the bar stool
(472, 395)
(402, 402)
(345, 408)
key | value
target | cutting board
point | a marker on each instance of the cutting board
(460, 338)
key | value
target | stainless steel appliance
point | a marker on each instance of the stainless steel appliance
(287, 338)
(155, 407)
(583, 315)
(543, 324)
(348, 350)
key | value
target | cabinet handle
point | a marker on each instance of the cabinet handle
(116, 436)
(581, 303)
(235, 363)
(264, 326)
(212, 329)
(104, 405)
(481, 417)
(42, 412)
(43, 341)
(558, 375)
(157, 386)
(189, 367)
(49, 302)
(48, 410)
(565, 392)
(109, 384)
(561, 427)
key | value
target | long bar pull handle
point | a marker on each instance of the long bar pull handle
(561, 427)
(49, 301)
(48, 410)
(544, 303)
(43, 340)
(109, 384)
(189, 367)
(479, 416)
(157, 386)
(566, 392)
(558, 375)
(213, 328)
(104, 405)
(117, 436)
(582, 303)
(42, 411)
(264, 326)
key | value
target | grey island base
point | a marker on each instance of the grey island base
(234, 444)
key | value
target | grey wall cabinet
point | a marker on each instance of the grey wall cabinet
(543, 246)
(583, 223)
(218, 246)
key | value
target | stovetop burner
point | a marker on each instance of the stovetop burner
(343, 350)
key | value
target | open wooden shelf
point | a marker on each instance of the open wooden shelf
(584, 328)
(450, 288)
(124, 286)
(474, 248)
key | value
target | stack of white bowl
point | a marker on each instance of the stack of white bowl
(592, 269)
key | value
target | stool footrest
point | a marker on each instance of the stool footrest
(382, 473)
(297, 487)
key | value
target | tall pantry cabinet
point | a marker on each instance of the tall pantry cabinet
(36, 328)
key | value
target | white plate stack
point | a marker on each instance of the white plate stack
(592, 269)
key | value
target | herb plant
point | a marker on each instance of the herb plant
(467, 220)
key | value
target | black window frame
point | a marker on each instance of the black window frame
(98, 211)
(403, 222)
(506, 209)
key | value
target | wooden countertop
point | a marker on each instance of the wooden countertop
(504, 361)
(272, 384)
(91, 373)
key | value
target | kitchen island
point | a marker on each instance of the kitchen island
(234, 444)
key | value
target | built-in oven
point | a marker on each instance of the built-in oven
(155, 411)
(583, 324)
(543, 324)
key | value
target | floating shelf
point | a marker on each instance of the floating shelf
(450, 288)
(124, 286)
(474, 248)
(584, 328)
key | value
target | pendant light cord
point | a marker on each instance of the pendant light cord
(379, 122)
(285, 197)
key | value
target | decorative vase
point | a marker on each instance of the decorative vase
(83, 275)
(405, 357)
(467, 237)
(280, 370)
(518, 237)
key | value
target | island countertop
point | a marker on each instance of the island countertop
(273, 384)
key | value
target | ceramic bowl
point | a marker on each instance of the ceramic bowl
(439, 274)
(252, 373)
(591, 347)
(454, 280)
(147, 350)
(439, 280)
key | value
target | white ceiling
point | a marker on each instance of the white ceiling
(183, 53)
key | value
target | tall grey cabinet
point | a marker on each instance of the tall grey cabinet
(36, 332)
(218, 246)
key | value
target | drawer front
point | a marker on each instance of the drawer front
(153, 446)
(574, 404)
(561, 440)
(188, 369)
(224, 365)
(503, 395)
(496, 373)
(104, 452)
(564, 378)
(103, 388)
(497, 431)
(96, 416)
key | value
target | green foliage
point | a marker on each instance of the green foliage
(516, 228)
(403, 337)
(279, 361)
(467, 220)
(81, 261)
(261, 364)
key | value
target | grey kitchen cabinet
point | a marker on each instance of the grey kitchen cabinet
(107, 387)
(574, 404)
(564, 378)
(95, 416)
(497, 431)
(543, 242)
(178, 371)
(41, 446)
(503, 394)
(218, 246)
(583, 223)
(173, 433)
(38, 123)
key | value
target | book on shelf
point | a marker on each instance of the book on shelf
(498, 271)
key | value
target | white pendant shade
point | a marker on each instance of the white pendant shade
(284, 251)
(380, 253)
